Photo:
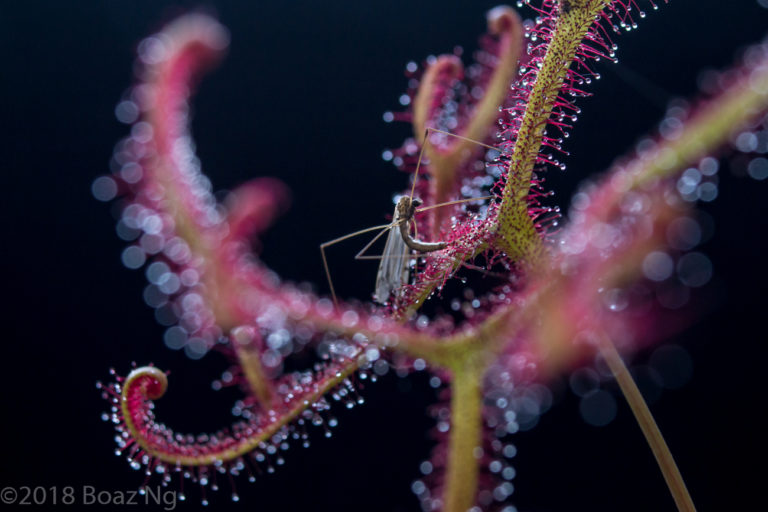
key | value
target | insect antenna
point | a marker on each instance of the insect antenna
(448, 203)
(426, 141)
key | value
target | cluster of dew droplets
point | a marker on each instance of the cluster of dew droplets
(507, 410)
(698, 182)
(513, 402)
(406, 156)
(455, 112)
(427, 487)
(265, 457)
(670, 270)
(751, 141)
(753, 144)
(334, 353)
(597, 45)
(455, 107)
(174, 276)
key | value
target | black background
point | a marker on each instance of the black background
(300, 96)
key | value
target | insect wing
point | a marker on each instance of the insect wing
(393, 270)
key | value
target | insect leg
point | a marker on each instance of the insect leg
(360, 256)
(335, 241)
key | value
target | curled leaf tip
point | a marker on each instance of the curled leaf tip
(151, 382)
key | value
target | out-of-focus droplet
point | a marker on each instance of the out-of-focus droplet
(598, 408)
(694, 269)
(758, 168)
(104, 188)
(658, 266)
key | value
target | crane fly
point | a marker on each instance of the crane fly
(394, 268)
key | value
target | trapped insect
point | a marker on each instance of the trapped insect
(394, 269)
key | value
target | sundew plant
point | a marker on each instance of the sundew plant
(513, 295)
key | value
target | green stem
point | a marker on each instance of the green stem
(249, 356)
(649, 427)
(517, 235)
(465, 439)
(710, 127)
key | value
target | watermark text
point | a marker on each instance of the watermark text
(88, 495)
